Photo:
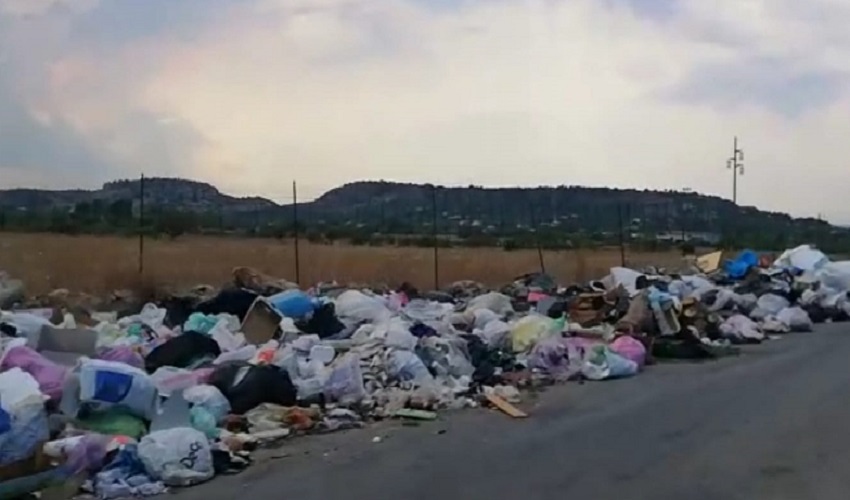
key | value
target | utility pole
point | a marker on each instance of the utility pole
(295, 231)
(735, 163)
(142, 224)
(622, 238)
(436, 235)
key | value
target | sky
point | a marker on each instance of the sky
(252, 94)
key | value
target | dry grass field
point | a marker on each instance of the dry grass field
(97, 264)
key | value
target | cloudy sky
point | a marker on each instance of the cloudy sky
(251, 94)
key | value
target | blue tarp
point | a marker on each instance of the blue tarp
(738, 267)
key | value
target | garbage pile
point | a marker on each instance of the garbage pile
(175, 392)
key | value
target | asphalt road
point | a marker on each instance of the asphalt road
(773, 423)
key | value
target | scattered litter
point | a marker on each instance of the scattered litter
(506, 407)
(175, 392)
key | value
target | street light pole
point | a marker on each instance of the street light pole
(735, 163)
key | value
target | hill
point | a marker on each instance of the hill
(560, 216)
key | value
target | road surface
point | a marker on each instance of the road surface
(773, 423)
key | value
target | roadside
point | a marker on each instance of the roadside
(677, 428)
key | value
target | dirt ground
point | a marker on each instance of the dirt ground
(97, 264)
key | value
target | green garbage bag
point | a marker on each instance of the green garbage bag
(114, 422)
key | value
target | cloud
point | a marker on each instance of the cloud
(253, 94)
(40, 7)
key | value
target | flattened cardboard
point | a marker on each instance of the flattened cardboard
(64, 345)
(262, 323)
(710, 262)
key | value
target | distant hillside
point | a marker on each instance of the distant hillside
(564, 214)
(569, 208)
(178, 193)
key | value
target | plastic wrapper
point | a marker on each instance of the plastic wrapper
(530, 330)
(601, 363)
(496, 302)
(50, 376)
(345, 382)
(209, 398)
(630, 348)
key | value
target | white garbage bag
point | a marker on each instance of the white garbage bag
(407, 366)
(835, 275)
(19, 389)
(177, 457)
(425, 310)
(494, 334)
(496, 302)
(345, 382)
(772, 304)
(803, 257)
(625, 277)
(740, 327)
(479, 318)
(353, 307)
(772, 325)
(27, 325)
(210, 398)
(395, 333)
(746, 302)
(698, 282)
(796, 319)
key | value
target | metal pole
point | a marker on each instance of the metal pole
(737, 168)
(295, 231)
(434, 231)
(536, 237)
(622, 239)
(735, 171)
(142, 224)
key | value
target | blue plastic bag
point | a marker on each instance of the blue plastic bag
(5, 421)
(27, 432)
(105, 384)
(601, 363)
(293, 304)
(200, 322)
(738, 267)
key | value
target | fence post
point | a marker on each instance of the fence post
(295, 231)
(536, 230)
(622, 239)
(142, 224)
(435, 234)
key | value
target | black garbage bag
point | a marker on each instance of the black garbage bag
(488, 362)
(323, 322)
(182, 351)
(247, 386)
(235, 301)
(817, 313)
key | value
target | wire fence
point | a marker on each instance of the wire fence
(427, 258)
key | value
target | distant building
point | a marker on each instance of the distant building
(688, 236)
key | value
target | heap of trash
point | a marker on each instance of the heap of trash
(114, 398)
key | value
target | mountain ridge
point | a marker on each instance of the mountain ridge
(406, 208)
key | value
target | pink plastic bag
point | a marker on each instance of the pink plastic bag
(50, 376)
(630, 348)
(122, 354)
